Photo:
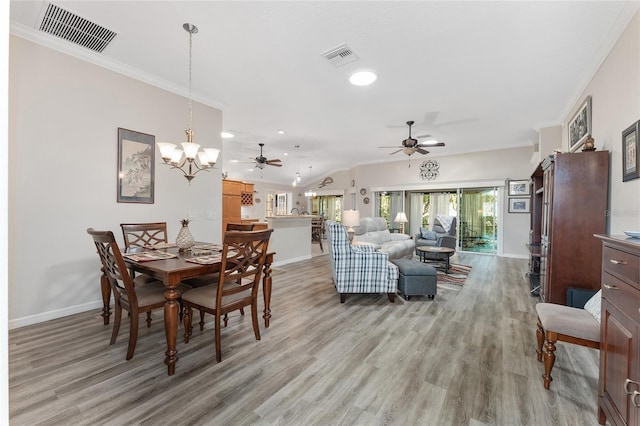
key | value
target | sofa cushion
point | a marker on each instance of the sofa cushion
(426, 234)
(594, 305)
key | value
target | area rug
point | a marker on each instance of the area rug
(457, 274)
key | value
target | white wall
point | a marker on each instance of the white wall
(63, 119)
(615, 93)
(488, 168)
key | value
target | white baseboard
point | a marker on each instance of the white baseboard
(58, 313)
(292, 260)
(515, 256)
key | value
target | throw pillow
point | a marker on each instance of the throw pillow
(425, 234)
(593, 305)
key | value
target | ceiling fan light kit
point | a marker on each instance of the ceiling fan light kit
(411, 145)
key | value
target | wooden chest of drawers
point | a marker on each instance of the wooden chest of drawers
(619, 387)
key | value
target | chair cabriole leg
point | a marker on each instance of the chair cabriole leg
(549, 358)
(540, 338)
(186, 321)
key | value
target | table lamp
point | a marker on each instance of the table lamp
(401, 218)
(351, 218)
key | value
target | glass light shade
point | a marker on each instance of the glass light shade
(401, 218)
(351, 218)
(202, 157)
(212, 154)
(176, 156)
(166, 149)
(190, 149)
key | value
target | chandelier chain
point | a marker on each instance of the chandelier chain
(190, 97)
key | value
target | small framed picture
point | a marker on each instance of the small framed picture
(580, 125)
(136, 167)
(630, 163)
(519, 205)
(519, 188)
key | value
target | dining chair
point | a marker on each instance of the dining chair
(239, 226)
(138, 236)
(317, 229)
(134, 300)
(243, 256)
(141, 235)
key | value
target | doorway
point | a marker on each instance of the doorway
(478, 221)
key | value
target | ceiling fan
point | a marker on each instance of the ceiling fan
(410, 145)
(262, 161)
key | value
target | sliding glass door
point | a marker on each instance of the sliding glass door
(478, 220)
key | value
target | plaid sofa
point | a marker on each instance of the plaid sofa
(359, 268)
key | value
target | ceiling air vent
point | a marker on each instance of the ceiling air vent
(341, 55)
(69, 26)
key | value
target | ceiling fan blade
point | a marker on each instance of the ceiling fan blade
(274, 161)
(395, 151)
(435, 143)
(422, 151)
(394, 146)
(273, 164)
(422, 136)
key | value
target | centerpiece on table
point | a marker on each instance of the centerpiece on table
(184, 240)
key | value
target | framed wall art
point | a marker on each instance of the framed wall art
(519, 188)
(519, 205)
(580, 125)
(136, 167)
(630, 162)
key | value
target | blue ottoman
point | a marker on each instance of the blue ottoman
(416, 278)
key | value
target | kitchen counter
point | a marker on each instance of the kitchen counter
(291, 238)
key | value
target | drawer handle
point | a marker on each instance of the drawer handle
(634, 399)
(626, 386)
(618, 262)
(609, 287)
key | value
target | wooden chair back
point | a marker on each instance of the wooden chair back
(239, 226)
(243, 256)
(114, 267)
(143, 234)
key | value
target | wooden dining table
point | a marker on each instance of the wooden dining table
(171, 272)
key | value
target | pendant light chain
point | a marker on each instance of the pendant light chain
(191, 31)
(190, 159)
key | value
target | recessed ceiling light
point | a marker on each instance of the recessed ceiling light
(280, 132)
(226, 135)
(286, 153)
(363, 78)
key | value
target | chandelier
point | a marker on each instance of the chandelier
(297, 178)
(189, 160)
(310, 193)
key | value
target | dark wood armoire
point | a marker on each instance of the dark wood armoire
(568, 208)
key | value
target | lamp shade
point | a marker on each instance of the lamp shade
(351, 218)
(401, 218)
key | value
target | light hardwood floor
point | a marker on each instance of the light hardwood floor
(466, 358)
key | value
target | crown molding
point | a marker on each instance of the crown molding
(102, 61)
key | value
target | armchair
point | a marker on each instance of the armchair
(359, 268)
(442, 234)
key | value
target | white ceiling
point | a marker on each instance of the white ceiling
(477, 75)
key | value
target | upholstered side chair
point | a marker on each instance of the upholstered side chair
(566, 324)
(359, 268)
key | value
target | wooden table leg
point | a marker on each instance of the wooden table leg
(105, 288)
(266, 289)
(171, 308)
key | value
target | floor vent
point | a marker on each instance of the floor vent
(69, 26)
(341, 55)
